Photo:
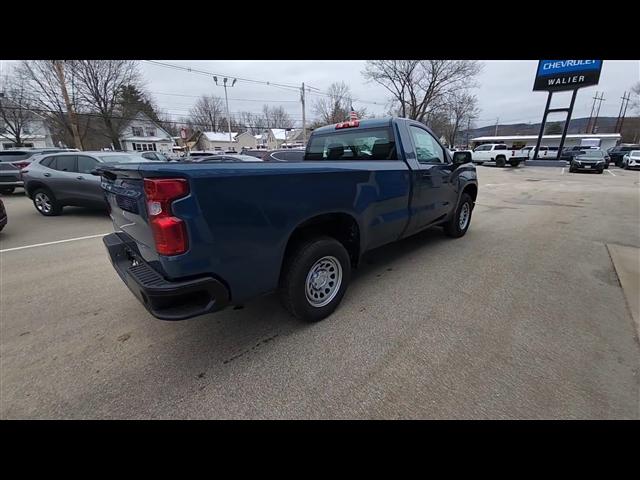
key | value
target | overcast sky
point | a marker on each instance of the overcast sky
(504, 91)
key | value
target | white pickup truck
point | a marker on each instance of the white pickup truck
(545, 152)
(498, 153)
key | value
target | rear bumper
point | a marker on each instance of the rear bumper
(164, 299)
(11, 183)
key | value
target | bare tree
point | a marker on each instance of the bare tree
(276, 117)
(254, 123)
(420, 88)
(635, 102)
(16, 115)
(99, 83)
(462, 109)
(42, 78)
(336, 106)
(207, 113)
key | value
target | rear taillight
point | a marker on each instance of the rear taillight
(169, 232)
(20, 165)
(349, 124)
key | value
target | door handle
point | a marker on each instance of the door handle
(80, 178)
(47, 174)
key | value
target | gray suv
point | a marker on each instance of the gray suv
(54, 181)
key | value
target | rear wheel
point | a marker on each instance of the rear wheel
(514, 163)
(7, 190)
(315, 278)
(46, 203)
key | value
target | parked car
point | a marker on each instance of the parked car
(3, 215)
(193, 238)
(592, 159)
(155, 156)
(498, 153)
(254, 153)
(284, 155)
(569, 152)
(618, 152)
(14, 160)
(631, 160)
(60, 179)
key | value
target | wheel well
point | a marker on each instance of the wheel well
(472, 191)
(341, 226)
(32, 186)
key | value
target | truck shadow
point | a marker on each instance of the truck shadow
(235, 334)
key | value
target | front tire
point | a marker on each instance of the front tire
(45, 203)
(500, 161)
(315, 278)
(458, 225)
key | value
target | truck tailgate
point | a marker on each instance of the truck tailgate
(123, 186)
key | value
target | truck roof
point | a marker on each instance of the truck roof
(364, 123)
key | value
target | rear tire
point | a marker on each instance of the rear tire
(45, 203)
(7, 190)
(315, 277)
(459, 223)
(514, 163)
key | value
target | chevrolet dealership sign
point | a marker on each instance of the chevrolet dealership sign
(554, 75)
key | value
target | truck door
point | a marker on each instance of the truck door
(434, 191)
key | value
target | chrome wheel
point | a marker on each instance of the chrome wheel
(323, 281)
(465, 212)
(43, 203)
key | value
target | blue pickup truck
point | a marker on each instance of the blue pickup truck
(192, 239)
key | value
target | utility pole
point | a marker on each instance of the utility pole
(226, 98)
(304, 119)
(587, 129)
(497, 120)
(72, 113)
(623, 111)
(595, 120)
(468, 127)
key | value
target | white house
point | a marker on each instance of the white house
(34, 134)
(275, 138)
(213, 141)
(143, 134)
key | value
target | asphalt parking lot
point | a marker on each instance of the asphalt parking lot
(524, 317)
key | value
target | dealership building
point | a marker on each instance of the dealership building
(602, 140)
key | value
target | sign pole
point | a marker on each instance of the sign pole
(544, 120)
(566, 123)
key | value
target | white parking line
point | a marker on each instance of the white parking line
(52, 243)
(608, 171)
(562, 170)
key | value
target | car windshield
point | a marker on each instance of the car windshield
(592, 153)
(122, 158)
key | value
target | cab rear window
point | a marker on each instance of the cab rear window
(356, 144)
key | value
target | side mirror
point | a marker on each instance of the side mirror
(460, 158)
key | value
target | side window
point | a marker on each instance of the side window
(48, 161)
(500, 147)
(86, 164)
(66, 163)
(427, 149)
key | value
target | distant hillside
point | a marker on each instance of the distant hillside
(631, 128)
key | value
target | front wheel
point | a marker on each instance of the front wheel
(315, 278)
(458, 225)
(500, 162)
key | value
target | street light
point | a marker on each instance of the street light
(226, 98)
